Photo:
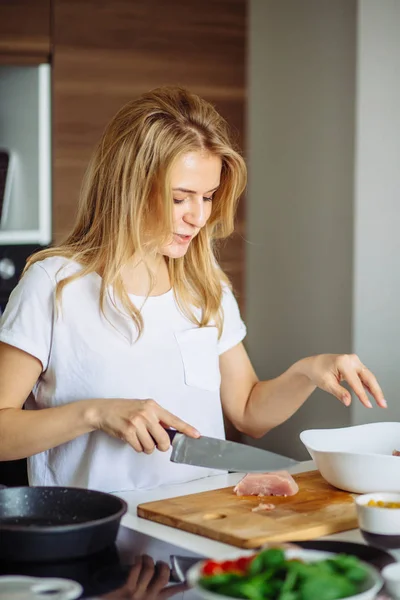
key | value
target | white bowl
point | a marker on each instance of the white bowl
(379, 526)
(358, 458)
(369, 591)
(391, 575)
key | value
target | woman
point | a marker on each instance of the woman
(130, 325)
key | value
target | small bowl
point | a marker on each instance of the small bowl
(379, 526)
(359, 458)
(369, 590)
(391, 576)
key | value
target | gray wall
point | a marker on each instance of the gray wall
(377, 201)
(302, 61)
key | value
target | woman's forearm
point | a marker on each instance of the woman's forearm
(27, 432)
(140, 423)
(273, 402)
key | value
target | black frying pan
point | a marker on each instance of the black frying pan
(56, 523)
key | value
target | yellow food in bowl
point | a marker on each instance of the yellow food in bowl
(382, 504)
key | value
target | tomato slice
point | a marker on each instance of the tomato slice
(229, 565)
(212, 567)
(243, 563)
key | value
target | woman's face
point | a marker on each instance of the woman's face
(195, 177)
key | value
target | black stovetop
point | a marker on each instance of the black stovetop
(132, 563)
(106, 572)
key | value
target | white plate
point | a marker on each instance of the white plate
(370, 588)
(358, 458)
(21, 587)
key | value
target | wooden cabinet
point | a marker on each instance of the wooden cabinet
(107, 52)
(25, 31)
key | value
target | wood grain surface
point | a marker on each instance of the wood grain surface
(318, 509)
(25, 31)
(107, 53)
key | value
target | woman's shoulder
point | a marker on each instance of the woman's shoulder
(56, 267)
(228, 295)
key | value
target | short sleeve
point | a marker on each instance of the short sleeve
(27, 322)
(234, 330)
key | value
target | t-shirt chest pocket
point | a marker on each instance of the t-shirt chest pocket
(199, 350)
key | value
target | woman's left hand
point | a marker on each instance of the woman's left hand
(326, 371)
(147, 581)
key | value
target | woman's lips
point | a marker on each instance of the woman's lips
(182, 239)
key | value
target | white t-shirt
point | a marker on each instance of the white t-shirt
(86, 356)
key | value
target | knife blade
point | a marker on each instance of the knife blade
(214, 453)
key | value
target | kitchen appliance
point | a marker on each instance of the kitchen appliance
(55, 523)
(25, 154)
(108, 570)
(6, 173)
(316, 510)
(215, 453)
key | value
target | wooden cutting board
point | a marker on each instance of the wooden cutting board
(318, 509)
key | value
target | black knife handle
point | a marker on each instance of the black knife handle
(171, 433)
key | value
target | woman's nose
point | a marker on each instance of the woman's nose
(196, 214)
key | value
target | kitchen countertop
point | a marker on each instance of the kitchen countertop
(196, 543)
(142, 544)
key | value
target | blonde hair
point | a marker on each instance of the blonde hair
(126, 195)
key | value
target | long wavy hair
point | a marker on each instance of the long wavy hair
(126, 202)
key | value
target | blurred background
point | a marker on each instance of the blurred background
(311, 89)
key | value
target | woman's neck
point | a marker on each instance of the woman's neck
(137, 280)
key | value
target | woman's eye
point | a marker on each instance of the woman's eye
(205, 198)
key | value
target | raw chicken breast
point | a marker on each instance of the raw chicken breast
(277, 483)
(395, 453)
(263, 507)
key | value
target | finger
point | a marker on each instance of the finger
(160, 436)
(160, 579)
(370, 382)
(132, 439)
(146, 575)
(332, 386)
(145, 438)
(173, 591)
(132, 581)
(172, 421)
(356, 385)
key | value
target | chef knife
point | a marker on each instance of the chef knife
(215, 453)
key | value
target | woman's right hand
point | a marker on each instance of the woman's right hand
(140, 423)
